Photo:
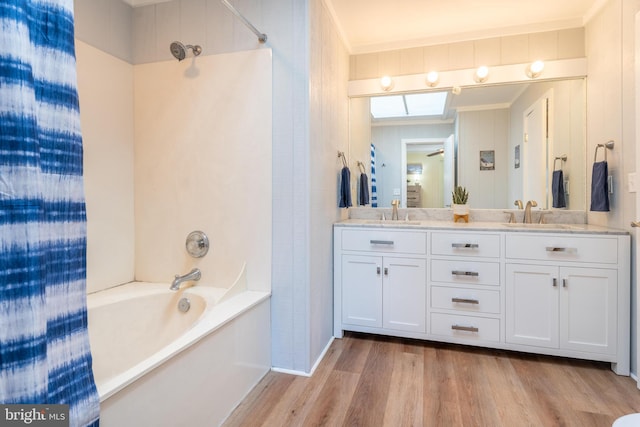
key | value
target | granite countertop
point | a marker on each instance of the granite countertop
(480, 226)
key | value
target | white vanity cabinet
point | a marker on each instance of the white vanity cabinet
(560, 293)
(465, 287)
(382, 277)
(573, 308)
(565, 293)
(384, 292)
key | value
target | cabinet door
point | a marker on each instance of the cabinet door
(532, 305)
(588, 309)
(362, 290)
(404, 294)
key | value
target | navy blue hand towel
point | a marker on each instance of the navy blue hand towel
(363, 196)
(345, 188)
(557, 190)
(599, 190)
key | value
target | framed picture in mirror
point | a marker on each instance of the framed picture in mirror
(487, 160)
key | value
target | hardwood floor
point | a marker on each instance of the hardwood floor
(367, 380)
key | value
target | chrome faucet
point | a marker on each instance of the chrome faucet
(394, 213)
(192, 275)
(527, 211)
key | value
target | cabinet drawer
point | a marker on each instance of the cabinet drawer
(467, 272)
(466, 327)
(465, 299)
(562, 248)
(413, 242)
(465, 244)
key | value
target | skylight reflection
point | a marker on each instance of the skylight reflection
(409, 105)
(388, 106)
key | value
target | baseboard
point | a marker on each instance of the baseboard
(313, 369)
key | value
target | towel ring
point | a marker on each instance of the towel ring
(343, 157)
(562, 158)
(606, 146)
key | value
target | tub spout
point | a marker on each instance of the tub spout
(192, 275)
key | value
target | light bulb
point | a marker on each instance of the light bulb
(482, 73)
(386, 83)
(535, 69)
(432, 78)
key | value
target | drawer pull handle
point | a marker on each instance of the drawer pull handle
(381, 242)
(378, 270)
(560, 249)
(465, 245)
(386, 271)
(465, 300)
(465, 273)
(564, 283)
(464, 328)
(555, 282)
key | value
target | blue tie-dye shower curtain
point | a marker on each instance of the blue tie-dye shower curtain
(44, 344)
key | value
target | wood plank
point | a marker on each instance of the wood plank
(332, 404)
(259, 403)
(299, 399)
(440, 406)
(404, 405)
(368, 380)
(355, 351)
(370, 398)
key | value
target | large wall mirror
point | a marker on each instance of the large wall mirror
(502, 142)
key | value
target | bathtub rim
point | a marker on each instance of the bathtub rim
(224, 313)
(223, 306)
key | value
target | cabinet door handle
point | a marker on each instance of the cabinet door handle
(381, 242)
(561, 249)
(564, 283)
(555, 282)
(465, 300)
(464, 328)
(464, 273)
(386, 271)
(465, 245)
(378, 270)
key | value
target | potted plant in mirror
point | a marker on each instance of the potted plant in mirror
(460, 205)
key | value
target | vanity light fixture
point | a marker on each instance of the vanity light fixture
(432, 78)
(482, 74)
(534, 69)
(386, 83)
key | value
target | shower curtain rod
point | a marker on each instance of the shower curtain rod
(262, 37)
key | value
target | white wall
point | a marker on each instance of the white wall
(105, 87)
(611, 115)
(569, 128)
(328, 119)
(549, 45)
(481, 131)
(105, 25)
(203, 162)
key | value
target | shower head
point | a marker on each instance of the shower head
(179, 51)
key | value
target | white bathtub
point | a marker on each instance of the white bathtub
(155, 365)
